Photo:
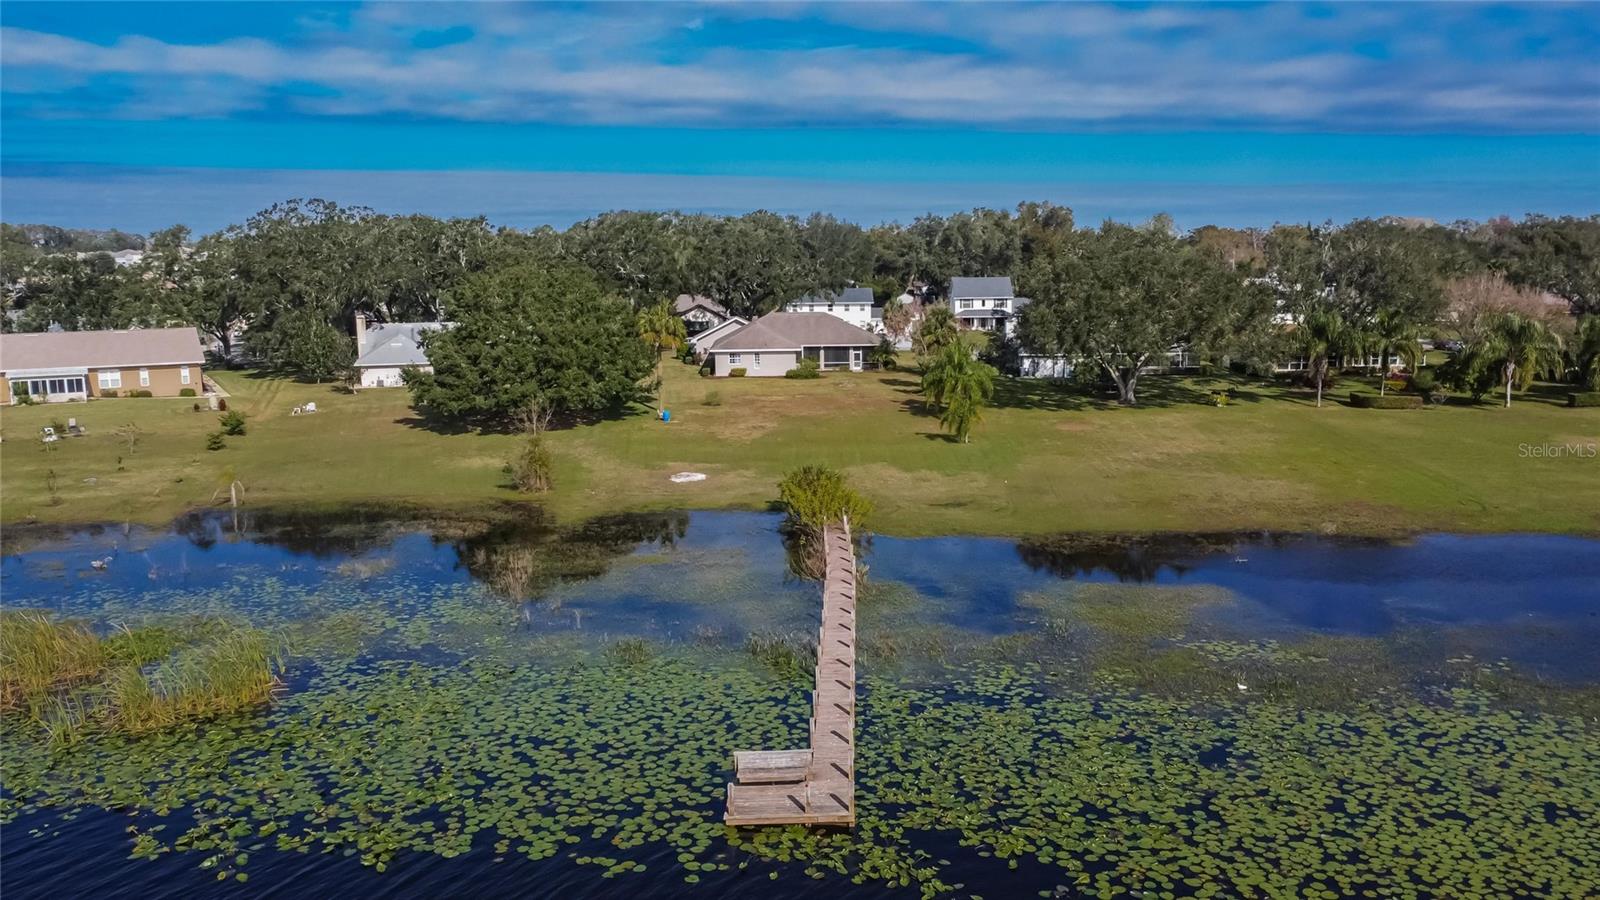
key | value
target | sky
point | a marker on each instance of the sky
(140, 115)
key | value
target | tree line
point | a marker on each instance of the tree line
(290, 280)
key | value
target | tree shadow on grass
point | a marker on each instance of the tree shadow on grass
(918, 407)
(940, 436)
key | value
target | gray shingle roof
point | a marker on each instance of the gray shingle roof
(794, 330)
(397, 344)
(848, 295)
(686, 302)
(985, 288)
(101, 349)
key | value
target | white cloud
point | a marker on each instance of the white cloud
(992, 64)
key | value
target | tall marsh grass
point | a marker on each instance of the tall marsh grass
(41, 656)
(64, 678)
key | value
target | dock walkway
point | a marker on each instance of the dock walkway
(815, 786)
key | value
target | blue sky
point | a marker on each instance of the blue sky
(140, 114)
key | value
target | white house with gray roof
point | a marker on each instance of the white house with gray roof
(853, 305)
(986, 304)
(385, 350)
(776, 342)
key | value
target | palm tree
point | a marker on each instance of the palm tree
(960, 387)
(1394, 332)
(1523, 348)
(1323, 335)
(937, 330)
(661, 330)
(1585, 353)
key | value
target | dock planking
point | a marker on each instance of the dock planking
(815, 786)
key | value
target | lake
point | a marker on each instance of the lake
(515, 709)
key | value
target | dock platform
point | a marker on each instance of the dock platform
(814, 786)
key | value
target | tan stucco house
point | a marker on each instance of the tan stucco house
(776, 342)
(57, 366)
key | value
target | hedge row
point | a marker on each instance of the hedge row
(1584, 398)
(1388, 401)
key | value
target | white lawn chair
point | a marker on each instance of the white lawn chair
(49, 435)
(296, 411)
(311, 407)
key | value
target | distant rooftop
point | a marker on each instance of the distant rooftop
(848, 295)
(795, 331)
(989, 287)
(101, 349)
(397, 344)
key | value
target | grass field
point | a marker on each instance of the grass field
(1043, 460)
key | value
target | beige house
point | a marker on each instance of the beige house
(58, 366)
(776, 342)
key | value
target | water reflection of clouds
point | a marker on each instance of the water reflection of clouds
(680, 574)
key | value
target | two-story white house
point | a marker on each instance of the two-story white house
(986, 304)
(854, 305)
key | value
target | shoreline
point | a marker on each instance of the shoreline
(447, 519)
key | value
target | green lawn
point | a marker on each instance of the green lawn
(1043, 460)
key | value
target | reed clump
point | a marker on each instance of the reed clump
(41, 657)
(784, 655)
(63, 677)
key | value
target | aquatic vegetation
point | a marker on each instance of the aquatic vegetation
(629, 652)
(41, 656)
(1099, 793)
(1060, 740)
(790, 656)
(62, 676)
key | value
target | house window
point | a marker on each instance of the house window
(966, 304)
(183, 374)
(144, 378)
(757, 360)
(735, 359)
(110, 379)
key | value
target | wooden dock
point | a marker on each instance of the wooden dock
(814, 786)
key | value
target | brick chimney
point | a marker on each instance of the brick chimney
(361, 333)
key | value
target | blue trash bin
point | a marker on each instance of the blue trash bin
(666, 415)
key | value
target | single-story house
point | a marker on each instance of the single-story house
(853, 304)
(776, 342)
(56, 366)
(699, 313)
(703, 341)
(384, 351)
(987, 304)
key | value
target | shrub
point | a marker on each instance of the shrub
(197, 407)
(1584, 398)
(815, 496)
(1424, 381)
(713, 398)
(232, 423)
(1390, 401)
(140, 393)
(108, 392)
(215, 441)
(222, 403)
(186, 392)
(531, 468)
(808, 368)
(736, 373)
